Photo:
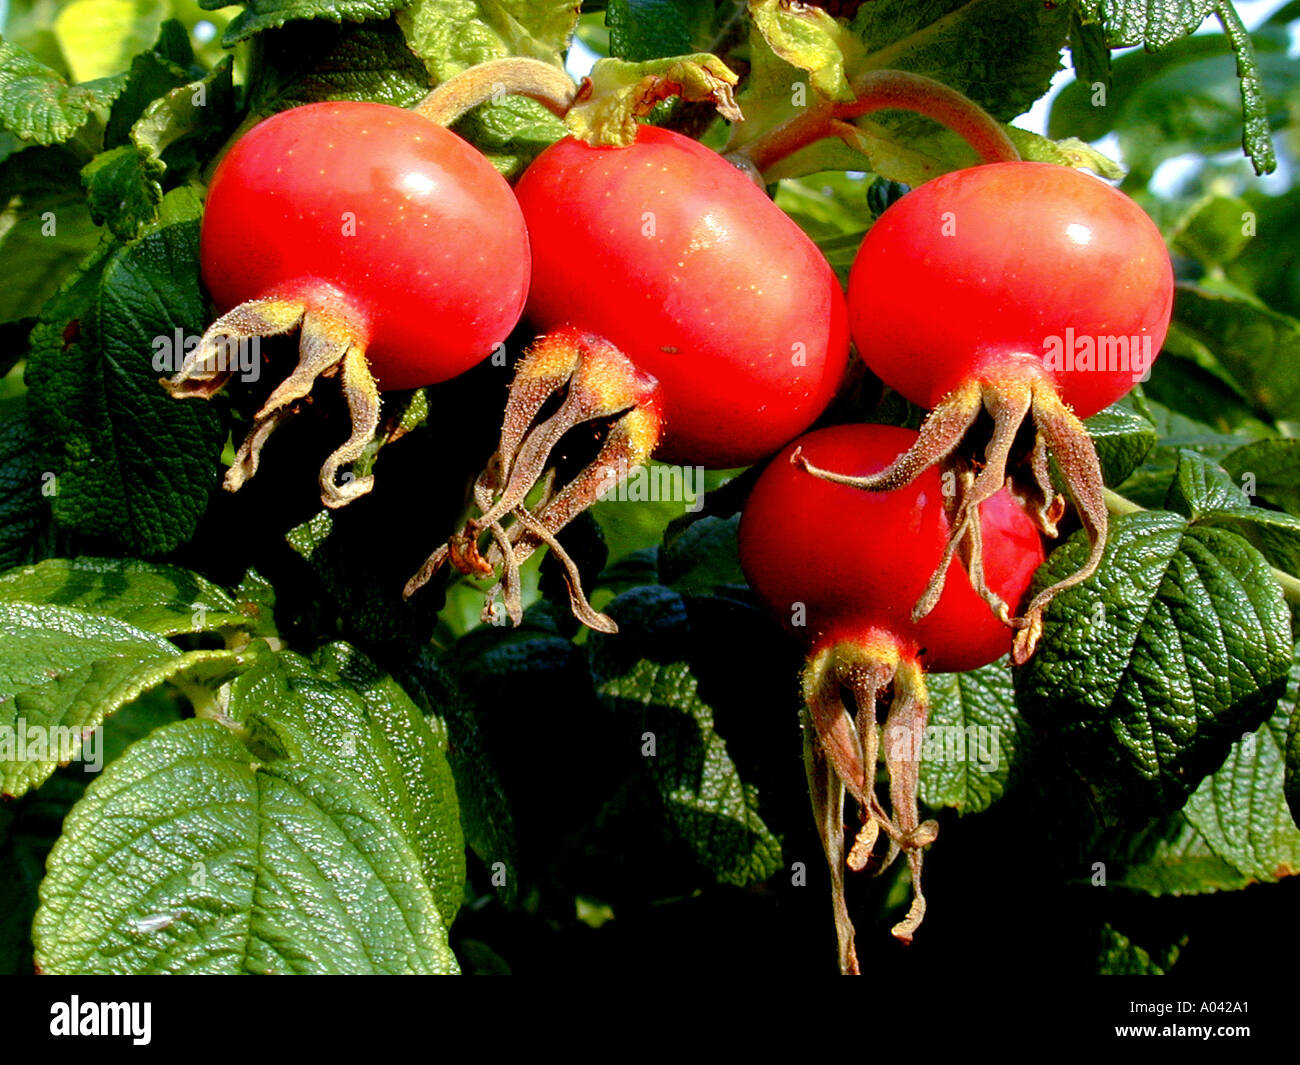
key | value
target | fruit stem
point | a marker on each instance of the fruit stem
(1289, 583)
(517, 76)
(885, 90)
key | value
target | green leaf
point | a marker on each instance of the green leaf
(1242, 811)
(1269, 469)
(261, 15)
(85, 637)
(1149, 23)
(30, 826)
(453, 35)
(1259, 348)
(307, 62)
(48, 725)
(1148, 671)
(1149, 483)
(1123, 438)
(24, 510)
(653, 29)
(511, 132)
(123, 189)
(340, 713)
(1291, 783)
(184, 126)
(44, 224)
(1179, 862)
(972, 739)
(811, 40)
(151, 75)
(37, 104)
(485, 811)
(1207, 493)
(1089, 51)
(159, 599)
(644, 675)
(131, 463)
(238, 865)
(1215, 230)
(1120, 956)
(703, 557)
(1256, 134)
(1069, 151)
(43, 642)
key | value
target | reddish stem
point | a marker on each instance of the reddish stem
(886, 90)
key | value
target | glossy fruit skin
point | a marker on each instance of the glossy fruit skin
(975, 269)
(681, 261)
(435, 271)
(859, 560)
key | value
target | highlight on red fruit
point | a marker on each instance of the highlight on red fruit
(390, 243)
(1027, 290)
(686, 317)
(842, 569)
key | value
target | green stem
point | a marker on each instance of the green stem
(1290, 584)
(459, 95)
(885, 90)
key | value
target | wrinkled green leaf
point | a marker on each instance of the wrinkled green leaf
(1179, 862)
(485, 811)
(1208, 494)
(181, 127)
(703, 557)
(1150, 23)
(1151, 669)
(1256, 134)
(50, 724)
(131, 462)
(238, 865)
(122, 185)
(643, 674)
(163, 600)
(24, 510)
(1242, 811)
(261, 15)
(37, 104)
(343, 714)
(1123, 438)
(452, 35)
(652, 29)
(307, 62)
(973, 738)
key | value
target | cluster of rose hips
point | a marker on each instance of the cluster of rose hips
(684, 316)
